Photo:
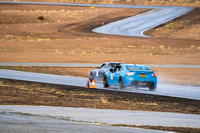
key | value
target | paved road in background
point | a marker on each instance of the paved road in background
(132, 26)
(91, 65)
(163, 89)
(136, 25)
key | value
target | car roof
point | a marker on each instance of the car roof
(139, 65)
(114, 62)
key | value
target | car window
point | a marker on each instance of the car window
(106, 66)
(118, 68)
(135, 67)
(113, 64)
(103, 66)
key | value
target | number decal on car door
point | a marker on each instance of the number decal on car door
(97, 73)
(111, 76)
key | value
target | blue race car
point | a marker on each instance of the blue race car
(98, 73)
(134, 75)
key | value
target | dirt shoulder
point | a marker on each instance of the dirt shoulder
(29, 93)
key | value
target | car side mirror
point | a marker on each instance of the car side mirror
(111, 70)
(97, 67)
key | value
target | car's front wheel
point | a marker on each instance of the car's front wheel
(91, 77)
(121, 85)
(103, 76)
(105, 82)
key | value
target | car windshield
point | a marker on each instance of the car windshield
(102, 66)
(135, 67)
(114, 64)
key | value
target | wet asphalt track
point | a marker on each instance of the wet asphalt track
(106, 116)
(189, 92)
(49, 123)
(136, 25)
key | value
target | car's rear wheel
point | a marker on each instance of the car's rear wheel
(121, 85)
(105, 82)
(134, 86)
(152, 87)
(91, 77)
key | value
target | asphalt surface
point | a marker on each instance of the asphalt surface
(90, 65)
(189, 92)
(136, 25)
(132, 26)
(16, 123)
(107, 116)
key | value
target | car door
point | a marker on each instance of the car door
(103, 70)
(110, 77)
(116, 75)
(100, 71)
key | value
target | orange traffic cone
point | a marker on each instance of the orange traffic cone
(93, 84)
(88, 84)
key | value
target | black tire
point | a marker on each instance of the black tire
(152, 87)
(105, 82)
(134, 86)
(91, 77)
(121, 85)
(103, 76)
